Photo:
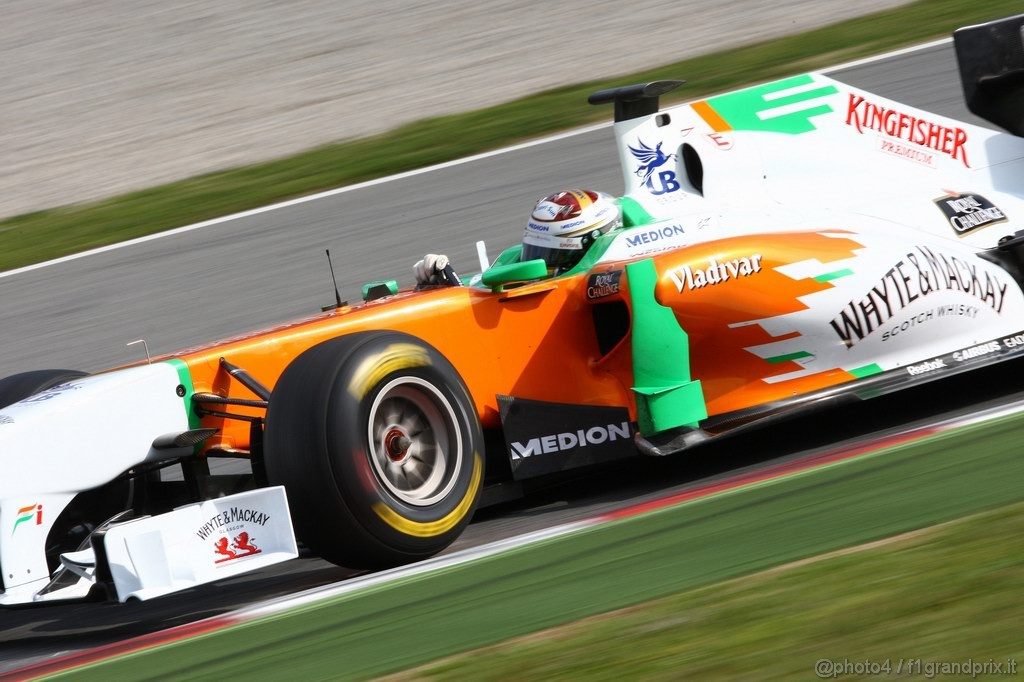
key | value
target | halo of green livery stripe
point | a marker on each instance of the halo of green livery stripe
(185, 379)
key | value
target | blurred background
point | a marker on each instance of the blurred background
(107, 96)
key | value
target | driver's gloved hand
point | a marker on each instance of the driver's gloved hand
(429, 270)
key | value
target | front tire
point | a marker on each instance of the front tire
(378, 444)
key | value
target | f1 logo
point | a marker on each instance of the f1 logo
(32, 511)
(667, 181)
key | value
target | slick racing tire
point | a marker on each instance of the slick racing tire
(17, 387)
(377, 442)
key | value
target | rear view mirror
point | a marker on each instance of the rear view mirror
(514, 272)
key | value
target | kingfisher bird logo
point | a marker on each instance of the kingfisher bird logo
(650, 161)
(33, 511)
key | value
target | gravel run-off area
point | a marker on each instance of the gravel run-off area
(104, 96)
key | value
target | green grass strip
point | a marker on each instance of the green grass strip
(48, 234)
(610, 567)
(947, 595)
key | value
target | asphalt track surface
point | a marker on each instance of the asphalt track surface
(246, 273)
(107, 96)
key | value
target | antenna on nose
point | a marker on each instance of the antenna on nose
(337, 296)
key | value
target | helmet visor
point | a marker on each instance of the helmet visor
(557, 252)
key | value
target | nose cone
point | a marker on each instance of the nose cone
(82, 434)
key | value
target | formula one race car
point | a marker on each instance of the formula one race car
(782, 246)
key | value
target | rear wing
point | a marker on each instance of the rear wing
(634, 101)
(991, 61)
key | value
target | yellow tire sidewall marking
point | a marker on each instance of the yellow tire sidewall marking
(427, 529)
(373, 369)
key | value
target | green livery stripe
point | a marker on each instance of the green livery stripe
(829, 276)
(789, 356)
(753, 108)
(633, 214)
(666, 395)
(866, 371)
(185, 378)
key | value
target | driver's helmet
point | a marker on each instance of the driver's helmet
(564, 225)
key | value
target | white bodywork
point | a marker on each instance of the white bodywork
(192, 545)
(200, 543)
(810, 149)
(83, 434)
(811, 154)
(919, 196)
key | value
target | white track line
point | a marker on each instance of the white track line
(316, 595)
(323, 593)
(305, 199)
(400, 176)
(888, 55)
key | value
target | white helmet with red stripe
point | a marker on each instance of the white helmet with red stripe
(564, 225)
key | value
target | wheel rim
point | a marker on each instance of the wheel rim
(415, 442)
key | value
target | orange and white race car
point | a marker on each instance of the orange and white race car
(782, 246)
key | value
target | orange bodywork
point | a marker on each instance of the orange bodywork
(721, 320)
(535, 342)
(538, 341)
